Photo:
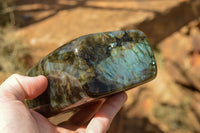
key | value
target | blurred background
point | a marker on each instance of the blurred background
(30, 29)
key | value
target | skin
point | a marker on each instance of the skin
(16, 117)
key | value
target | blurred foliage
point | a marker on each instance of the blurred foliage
(7, 12)
(14, 54)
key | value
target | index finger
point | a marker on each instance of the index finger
(102, 120)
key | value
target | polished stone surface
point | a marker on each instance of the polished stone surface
(93, 66)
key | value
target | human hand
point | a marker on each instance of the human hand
(16, 117)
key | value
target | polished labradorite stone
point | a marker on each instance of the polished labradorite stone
(93, 66)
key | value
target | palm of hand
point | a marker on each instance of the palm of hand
(16, 117)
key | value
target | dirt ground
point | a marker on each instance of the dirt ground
(53, 23)
(170, 103)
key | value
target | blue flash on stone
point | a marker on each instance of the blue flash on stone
(130, 64)
(91, 67)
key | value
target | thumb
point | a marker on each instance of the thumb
(18, 87)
